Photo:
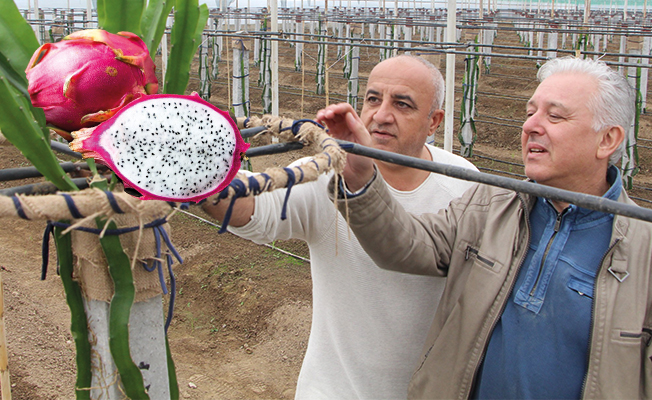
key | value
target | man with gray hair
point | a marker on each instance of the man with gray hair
(368, 324)
(544, 299)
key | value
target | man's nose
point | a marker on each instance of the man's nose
(384, 114)
(532, 124)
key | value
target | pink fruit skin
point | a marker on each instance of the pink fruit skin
(88, 76)
(87, 142)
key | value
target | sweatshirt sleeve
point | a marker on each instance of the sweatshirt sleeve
(307, 207)
(395, 239)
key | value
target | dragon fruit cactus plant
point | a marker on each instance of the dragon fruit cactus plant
(167, 147)
(88, 76)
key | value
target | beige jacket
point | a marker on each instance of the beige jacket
(480, 242)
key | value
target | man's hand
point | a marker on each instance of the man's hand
(344, 123)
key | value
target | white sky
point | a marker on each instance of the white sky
(632, 4)
(79, 3)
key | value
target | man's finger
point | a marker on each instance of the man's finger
(357, 128)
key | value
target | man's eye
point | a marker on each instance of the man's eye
(372, 99)
(402, 104)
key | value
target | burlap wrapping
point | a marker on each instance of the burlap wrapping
(91, 269)
(330, 157)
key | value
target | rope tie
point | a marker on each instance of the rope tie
(240, 191)
(296, 125)
(156, 264)
(330, 161)
(45, 250)
(254, 186)
(113, 203)
(301, 178)
(74, 211)
(291, 181)
(158, 233)
(19, 208)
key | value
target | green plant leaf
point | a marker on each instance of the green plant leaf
(121, 15)
(16, 79)
(101, 15)
(119, 312)
(189, 18)
(17, 39)
(153, 23)
(172, 372)
(201, 23)
(78, 319)
(19, 82)
(19, 126)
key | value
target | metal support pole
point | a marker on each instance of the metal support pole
(273, 6)
(147, 344)
(450, 79)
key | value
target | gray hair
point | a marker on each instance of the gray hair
(612, 105)
(437, 81)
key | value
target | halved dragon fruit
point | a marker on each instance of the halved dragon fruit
(167, 147)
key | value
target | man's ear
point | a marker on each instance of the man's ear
(611, 139)
(435, 120)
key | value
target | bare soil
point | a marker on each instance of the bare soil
(243, 311)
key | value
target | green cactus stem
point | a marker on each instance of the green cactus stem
(189, 22)
(78, 319)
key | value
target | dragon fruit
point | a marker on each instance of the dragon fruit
(167, 147)
(88, 76)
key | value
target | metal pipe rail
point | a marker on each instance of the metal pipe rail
(580, 199)
(41, 188)
(521, 186)
(363, 15)
(444, 48)
(10, 174)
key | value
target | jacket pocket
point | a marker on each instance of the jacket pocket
(482, 260)
(581, 287)
(645, 336)
(632, 337)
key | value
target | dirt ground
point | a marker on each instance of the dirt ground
(243, 311)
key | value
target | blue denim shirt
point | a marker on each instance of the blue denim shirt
(539, 347)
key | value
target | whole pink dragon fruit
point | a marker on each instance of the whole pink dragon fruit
(89, 75)
(167, 147)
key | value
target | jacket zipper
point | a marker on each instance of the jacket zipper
(595, 301)
(470, 250)
(548, 246)
(504, 304)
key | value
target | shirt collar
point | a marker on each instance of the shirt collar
(613, 193)
(615, 182)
